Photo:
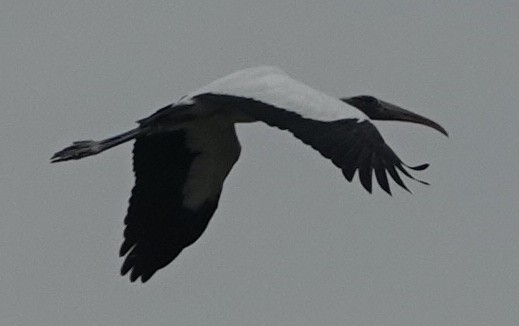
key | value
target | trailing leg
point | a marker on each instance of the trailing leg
(84, 148)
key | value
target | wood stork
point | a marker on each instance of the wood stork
(183, 153)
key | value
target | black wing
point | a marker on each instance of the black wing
(158, 227)
(351, 145)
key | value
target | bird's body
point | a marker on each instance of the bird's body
(184, 152)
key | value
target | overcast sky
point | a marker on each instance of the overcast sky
(292, 243)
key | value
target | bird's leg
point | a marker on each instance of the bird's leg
(84, 148)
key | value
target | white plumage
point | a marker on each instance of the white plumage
(271, 85)
(184, 152)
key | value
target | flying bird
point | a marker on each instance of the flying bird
(184, 151)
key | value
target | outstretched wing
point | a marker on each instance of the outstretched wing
(179, 176)
(351, 144)
(272, 86)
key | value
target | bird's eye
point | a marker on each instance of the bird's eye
(369, 100)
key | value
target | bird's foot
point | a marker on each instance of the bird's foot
(76, 151)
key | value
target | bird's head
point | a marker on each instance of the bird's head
(381, 110)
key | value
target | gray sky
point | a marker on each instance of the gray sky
(292, 242)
